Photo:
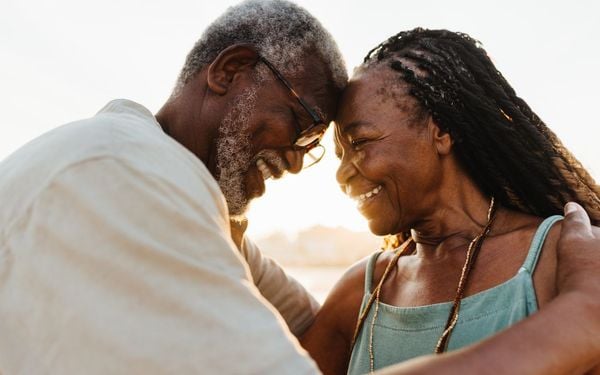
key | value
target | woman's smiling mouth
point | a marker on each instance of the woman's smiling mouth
(364, 197)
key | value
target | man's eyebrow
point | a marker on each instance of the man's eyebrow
(303, 117)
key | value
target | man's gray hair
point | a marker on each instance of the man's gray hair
(281, 31)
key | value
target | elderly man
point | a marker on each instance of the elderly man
(115, 250)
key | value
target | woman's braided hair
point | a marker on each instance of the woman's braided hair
(503, 145)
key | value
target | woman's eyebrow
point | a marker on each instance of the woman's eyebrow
(353, 125)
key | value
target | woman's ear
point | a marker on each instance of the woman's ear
(441, 138)
(233, 60)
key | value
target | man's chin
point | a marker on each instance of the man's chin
(254, 184)
(238, 200)
(239, 211)
(237, 206)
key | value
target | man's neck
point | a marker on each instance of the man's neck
(182, 118)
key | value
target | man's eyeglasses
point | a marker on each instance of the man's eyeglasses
(307, 140)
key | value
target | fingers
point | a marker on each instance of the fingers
(578, 251)
(576, 219)
(239, 223)
(238, 228)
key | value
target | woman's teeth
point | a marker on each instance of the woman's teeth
(363, 197)
(264, 170)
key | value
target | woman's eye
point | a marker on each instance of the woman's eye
(358, 142)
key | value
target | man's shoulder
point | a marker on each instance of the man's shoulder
(122, 131)
(108, 133)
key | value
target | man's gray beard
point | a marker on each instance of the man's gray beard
(234, 152)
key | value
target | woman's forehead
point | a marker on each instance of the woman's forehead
(372, 90)
(359, 90)
(379, 79)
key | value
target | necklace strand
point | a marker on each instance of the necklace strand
(472, 252)
(376, 293)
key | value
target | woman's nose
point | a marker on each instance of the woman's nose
(343, 174)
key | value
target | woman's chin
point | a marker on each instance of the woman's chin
(379, 227)
(383, 225)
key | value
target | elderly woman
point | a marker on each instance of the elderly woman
(437, 149)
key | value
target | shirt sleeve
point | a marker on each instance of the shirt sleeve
(295, 304)
(113, 270)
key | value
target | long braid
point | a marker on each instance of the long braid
(506, 148)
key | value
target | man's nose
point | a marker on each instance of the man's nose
(294, 159)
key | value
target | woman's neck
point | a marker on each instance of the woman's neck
(458, 217)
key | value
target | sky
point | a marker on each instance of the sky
(62, 60)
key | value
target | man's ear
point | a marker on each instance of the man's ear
(441, 138)
(231, 61)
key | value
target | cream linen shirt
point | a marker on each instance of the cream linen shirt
(115, 257)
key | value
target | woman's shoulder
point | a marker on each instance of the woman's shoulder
(537, 233)
(350, 287)
(344, 301)
(368, 270)
(541, 238)
(328, 339)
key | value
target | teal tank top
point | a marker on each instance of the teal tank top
(402, 333)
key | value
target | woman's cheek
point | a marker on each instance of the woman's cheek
(360, 157)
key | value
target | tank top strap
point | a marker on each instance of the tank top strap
(538, 242)
(370, 270)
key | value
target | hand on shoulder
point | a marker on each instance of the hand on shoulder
(578, 251)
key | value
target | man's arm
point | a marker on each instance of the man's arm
(295, 304)
(118, 271)
(562, 338)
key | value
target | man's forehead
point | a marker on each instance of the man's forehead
(315, 84)
(322, 100)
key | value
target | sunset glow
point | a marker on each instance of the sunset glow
(63, 60)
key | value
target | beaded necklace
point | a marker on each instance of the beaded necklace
(405, 248)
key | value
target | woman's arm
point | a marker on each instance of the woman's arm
(562, 338)
(328, 339)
